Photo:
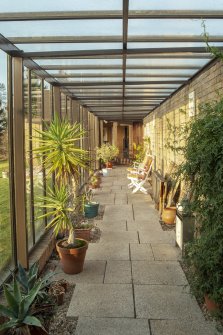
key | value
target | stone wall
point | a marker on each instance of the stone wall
(207, 85)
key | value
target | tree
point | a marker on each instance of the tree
(3, 119)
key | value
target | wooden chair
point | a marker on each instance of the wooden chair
(137, 180)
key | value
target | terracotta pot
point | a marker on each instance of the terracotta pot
(109, 165)
(210, 304)
(82, 233)
(72, 260)
(96, 185)
(169, 215)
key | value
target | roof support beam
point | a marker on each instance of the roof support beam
(116, 83)
(119, 97)
(112, 39)
(108, 75)
(119, 67)
(105, 15)
(113, 52)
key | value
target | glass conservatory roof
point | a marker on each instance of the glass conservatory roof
(119, 58)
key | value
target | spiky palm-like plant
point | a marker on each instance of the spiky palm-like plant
(61, 154)
(59, 147)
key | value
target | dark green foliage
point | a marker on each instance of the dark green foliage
(203, 170)
(19, 310)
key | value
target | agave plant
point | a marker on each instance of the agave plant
(28, 279)
(19, 311)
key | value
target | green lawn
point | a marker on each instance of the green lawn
(5, 228)
(5, 236)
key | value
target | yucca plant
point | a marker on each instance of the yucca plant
(19, 310)
(59, 148)
(61, 155)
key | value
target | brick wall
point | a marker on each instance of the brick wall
(207, 85)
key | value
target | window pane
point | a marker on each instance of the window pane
(5, 219)
(37, 161)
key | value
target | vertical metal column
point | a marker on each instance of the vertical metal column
(19, 162)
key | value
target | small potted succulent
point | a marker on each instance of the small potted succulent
(107, 153)
(90, 207)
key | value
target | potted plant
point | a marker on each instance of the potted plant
(90, 207)
(107, 153)
(59, 147)
(94, 182)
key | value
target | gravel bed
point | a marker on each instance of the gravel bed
(167, 227)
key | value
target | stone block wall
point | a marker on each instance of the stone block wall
(207, 86)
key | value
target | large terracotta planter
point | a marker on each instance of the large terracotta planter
(210, 304)
(109, 165)
(72, 260)
(169, 215)
(82, 233)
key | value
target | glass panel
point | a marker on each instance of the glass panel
(101, 62)
(150, 72)
(37, 162)
(6, 253)
(168, 26)
(69, 109)
(82, 80)
(166, 62)
(28, 134)
(150, 78)
(65, 5)
(67, 46)
(173, 4)
(63, 105)
(80, 72)
(61, 28)
(135, 45)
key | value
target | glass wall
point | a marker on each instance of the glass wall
(63, 105)
(6, 246)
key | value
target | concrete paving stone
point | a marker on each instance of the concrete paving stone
(116, 187)
(158, 273)
(111, 225)
(141, 252)
(118, 272)
(165, 302)
(166, 252)
(102, 300)
(145, 212)
(106, 189)
(154, 236)
(144, 225)
(119, 236)
(107, 251)
(117, 212)
(93, 273)
(174, 327)
(106, 199)
(120, 198)
(112, 326)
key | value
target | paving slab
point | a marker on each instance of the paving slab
(102, 300)
(142, 212)
(144, 225)
(119, 236)
(158, 273)
(111, 225)
(118, 272)
(166, 252)
(165, 302)
(117, 212)
(154, 236)
(174, 327)
(93, 273)
(112, 326)
(120, 198)
(141, 252)
(107, 251)
(107, 199)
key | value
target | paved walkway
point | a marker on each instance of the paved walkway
(132, 283)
